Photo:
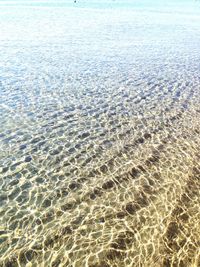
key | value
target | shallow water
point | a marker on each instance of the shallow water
(99, 133)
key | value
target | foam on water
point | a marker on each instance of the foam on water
(99, 134)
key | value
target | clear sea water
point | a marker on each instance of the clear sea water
(99, 133)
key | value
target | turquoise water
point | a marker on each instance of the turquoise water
(99, 133)
(150, 5)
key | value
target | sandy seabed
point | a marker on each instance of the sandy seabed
(99, 146)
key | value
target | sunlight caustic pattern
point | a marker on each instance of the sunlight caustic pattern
(99, 140)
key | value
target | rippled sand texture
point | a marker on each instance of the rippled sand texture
(100, 138)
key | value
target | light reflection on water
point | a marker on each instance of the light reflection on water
(99, 135)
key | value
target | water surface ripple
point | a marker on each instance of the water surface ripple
(99, 134)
